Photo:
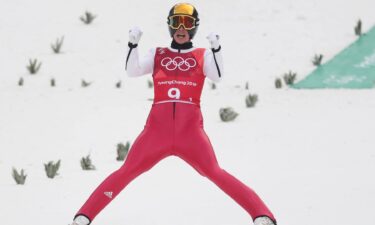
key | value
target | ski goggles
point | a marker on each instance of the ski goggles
(187, 22)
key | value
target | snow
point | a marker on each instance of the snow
(308, 153)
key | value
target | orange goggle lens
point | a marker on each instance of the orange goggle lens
(188, 22)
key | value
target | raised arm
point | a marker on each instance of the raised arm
(213, 60)
(134, 65)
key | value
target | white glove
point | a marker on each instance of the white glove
(213, 38)
(135, 35)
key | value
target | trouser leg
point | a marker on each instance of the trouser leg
(143, 155)
(200, 155)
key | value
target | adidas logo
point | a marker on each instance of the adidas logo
(108, 194)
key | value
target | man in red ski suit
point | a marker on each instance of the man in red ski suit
(175, 124)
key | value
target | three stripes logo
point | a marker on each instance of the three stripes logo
(108, 194)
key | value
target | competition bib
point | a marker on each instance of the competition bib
(178, 76)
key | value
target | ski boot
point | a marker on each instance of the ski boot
(81, 220)
(264, 220)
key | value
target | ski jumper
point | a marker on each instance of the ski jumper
(174, 127)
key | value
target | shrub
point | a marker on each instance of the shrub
(86, 163)
(118, 84)
(33, 66)
(251, 100)
(317, 60)
(358, 28)
(289, 78)
(20, 178)
(278, 83)
(85, 83)
(122, 151)
(150, 84)
(88, 17)
(56, 47)
(227, 114)
(20, 82)
(53, 82)
(51, 169)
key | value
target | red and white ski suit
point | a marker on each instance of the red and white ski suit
(174, 127)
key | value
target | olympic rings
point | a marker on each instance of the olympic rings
(178, 62)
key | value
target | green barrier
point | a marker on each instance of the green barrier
(354, 67)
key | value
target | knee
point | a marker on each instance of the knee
(125, 171)
(134, 169)
(212, 171)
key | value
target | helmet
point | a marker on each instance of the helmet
(183, 14)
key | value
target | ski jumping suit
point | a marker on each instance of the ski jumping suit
(174, 127)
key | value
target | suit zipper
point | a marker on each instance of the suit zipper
(174, 103)
(174, 110)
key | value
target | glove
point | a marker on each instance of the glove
(213, 39)
(135, 35)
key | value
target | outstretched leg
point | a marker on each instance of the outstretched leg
(147, 150)
(199, 154)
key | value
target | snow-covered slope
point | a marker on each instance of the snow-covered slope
(308, 154)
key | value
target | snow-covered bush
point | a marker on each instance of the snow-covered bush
(56, 47)
(289, 78)
(20, 178)
(227, 114)
(86, 163)
(33, 66)
(51, 168)
(251, 100)
(88, 17)
(317, 60)
(122, 151)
